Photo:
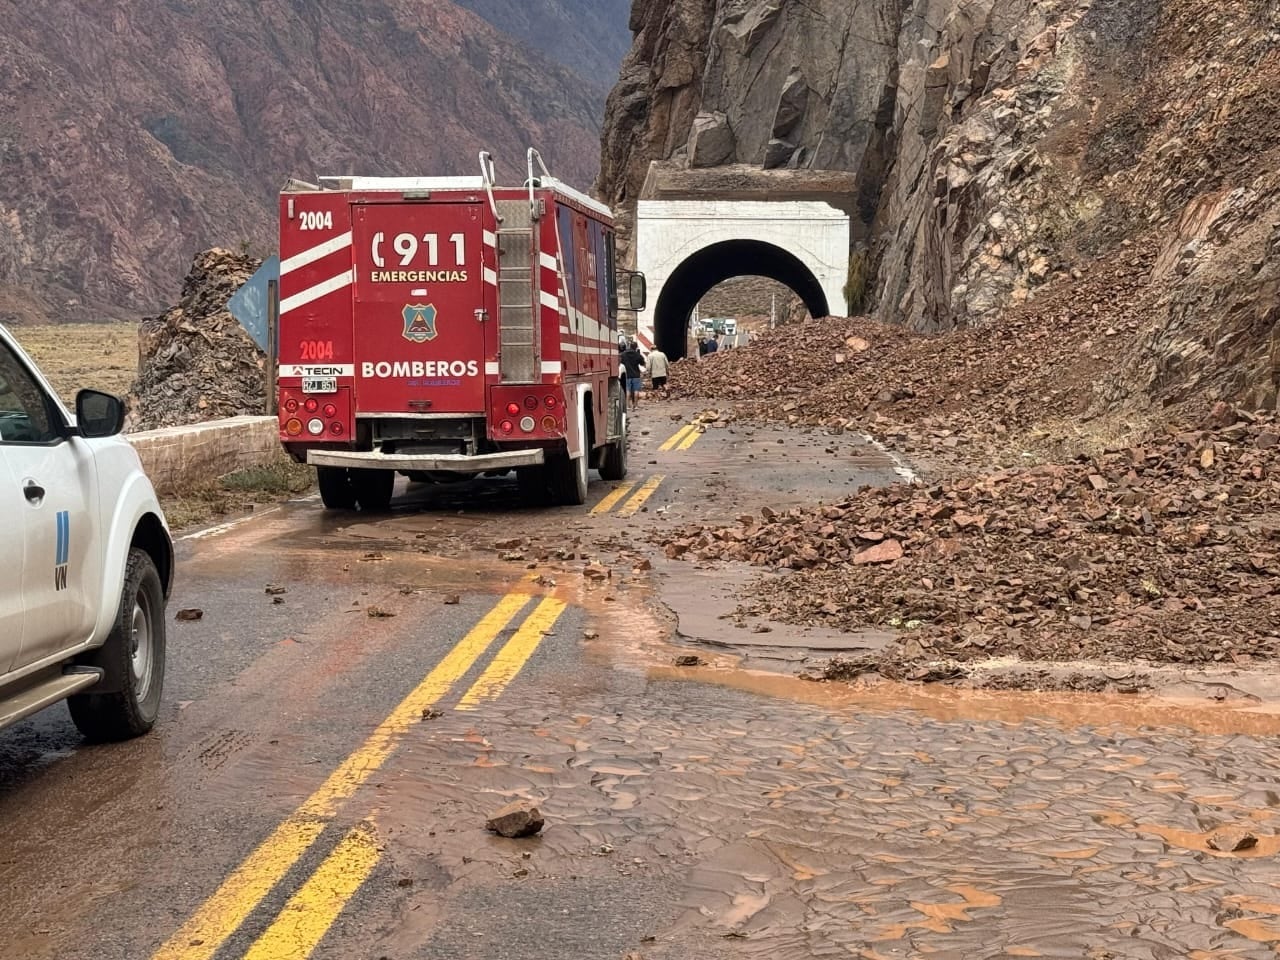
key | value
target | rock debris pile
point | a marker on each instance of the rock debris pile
(195, 362)
(1166, 551)
(965, 395)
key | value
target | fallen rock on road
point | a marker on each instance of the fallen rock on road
(1232, 840)
(516, 820)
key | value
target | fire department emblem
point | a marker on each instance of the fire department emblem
(419, 322)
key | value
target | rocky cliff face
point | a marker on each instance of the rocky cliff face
(134, 132)
(1002, 147)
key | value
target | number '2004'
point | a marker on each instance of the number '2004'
(317, 350)
(317, 219)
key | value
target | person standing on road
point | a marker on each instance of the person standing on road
(659, 367)
(713, 344)
(633, 367)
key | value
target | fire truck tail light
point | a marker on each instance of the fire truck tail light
(549, 424)
(551, 403)
(312, 405)
(330, 410)
(291, 405)
(315, 427)
(336, 429)
(531, 403)
(513, 409)
(506, 426)
(293, 427)
(527, 424)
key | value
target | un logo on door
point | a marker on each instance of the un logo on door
(419, 322)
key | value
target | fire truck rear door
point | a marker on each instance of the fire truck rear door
(422, 337)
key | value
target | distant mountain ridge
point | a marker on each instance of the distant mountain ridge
(136, 132)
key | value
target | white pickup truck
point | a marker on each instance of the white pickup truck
(86, 560)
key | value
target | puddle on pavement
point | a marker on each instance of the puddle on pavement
(1266, 845)
(704, 602)
(1014, 707)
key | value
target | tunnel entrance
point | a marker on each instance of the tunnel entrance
(756, 303)
(712, 265)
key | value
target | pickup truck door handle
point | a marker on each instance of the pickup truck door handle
(33, 491)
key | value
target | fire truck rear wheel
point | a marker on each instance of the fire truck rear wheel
(532, 483)
(336, 491)
(613, 459)
(373, 489)
(568, 480)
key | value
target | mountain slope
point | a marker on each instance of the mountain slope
(589, 37)
(134, 132)
(1007, 151)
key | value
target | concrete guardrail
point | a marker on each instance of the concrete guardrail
(176, 457)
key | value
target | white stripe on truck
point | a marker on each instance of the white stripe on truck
(344, 279)
(300, 260)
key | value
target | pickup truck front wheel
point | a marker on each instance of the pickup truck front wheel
(134, 656)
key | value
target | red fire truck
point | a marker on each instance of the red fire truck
(449, 326)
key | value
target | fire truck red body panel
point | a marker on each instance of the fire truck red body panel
(448, 325)
(440, 327)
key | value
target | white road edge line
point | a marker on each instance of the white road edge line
(904, 472)
(224, 527)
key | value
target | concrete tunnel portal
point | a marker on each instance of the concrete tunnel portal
(696, 276)
(696, 228)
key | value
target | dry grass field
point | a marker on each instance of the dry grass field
(105, 356)
(75, 355)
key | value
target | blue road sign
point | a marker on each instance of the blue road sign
(249, 303)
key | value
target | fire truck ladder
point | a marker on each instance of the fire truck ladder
(518, 292)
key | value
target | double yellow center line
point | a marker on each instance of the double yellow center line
(312, 910)
(684, 438)
(638, 497)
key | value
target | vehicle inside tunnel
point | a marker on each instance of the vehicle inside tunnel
(712, 265)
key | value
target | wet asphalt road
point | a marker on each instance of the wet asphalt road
(319, 782)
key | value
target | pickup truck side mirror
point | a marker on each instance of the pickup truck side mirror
(98, 414)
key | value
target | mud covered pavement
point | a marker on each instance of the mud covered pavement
(361, 694)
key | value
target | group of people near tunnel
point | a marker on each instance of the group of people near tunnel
(632, 365)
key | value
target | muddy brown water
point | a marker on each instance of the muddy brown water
(807, 826)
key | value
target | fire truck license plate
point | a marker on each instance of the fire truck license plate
(319, 384)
